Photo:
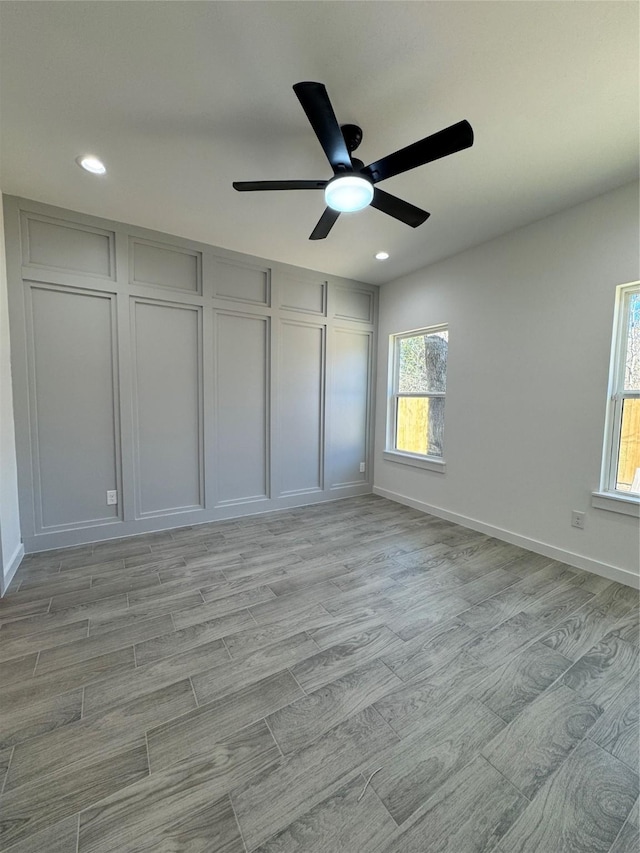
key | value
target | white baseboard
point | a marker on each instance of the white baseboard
(612, 573)
(248, 509)
(11, 568)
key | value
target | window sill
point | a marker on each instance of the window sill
(430, 463)
(616, 502)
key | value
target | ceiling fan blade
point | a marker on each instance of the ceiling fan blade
(325, 224)
(316, 104)
(455, 138)
(399, 209)
(252, 186)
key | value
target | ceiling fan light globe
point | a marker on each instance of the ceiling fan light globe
(348, 193)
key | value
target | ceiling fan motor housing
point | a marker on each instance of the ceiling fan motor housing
(352, 136)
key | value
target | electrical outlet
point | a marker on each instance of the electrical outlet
(112, 497)
(577, 520)
(363, 467)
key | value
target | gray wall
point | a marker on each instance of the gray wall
(198, 383)
(530, 317)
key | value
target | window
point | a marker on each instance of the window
(621, 463)
(418, 383)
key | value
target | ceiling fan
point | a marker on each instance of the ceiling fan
(353, 184)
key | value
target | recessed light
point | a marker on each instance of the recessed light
(91, 164)
(382, 256)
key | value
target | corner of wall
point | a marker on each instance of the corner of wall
(11, 548)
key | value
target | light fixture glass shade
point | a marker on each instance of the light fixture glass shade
(91, 164)
(347, 193)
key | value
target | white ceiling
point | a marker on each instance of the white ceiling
(181, 98)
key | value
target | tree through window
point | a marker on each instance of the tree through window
(418, 391)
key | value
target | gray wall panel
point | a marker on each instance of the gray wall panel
(349, 405)
(241, 407)
(241, 283)
(301, 294)
(167, 406)
(301, 405)
(64, 245)
(72, 392)
(165, 266)
(354, 304)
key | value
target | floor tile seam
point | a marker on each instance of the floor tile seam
(235, 814)
(226, 648)
(516, 580)
(146, 746)
(556, 627)
(499, 592)
(372, 790)
(274, 835)
(309, 637)
(18, 707)
(8, 771)
(612, 757)
(567, 614)
(585, 734)
(495, 713)
(291, 673)
(526, 645)
(90, 601)
(410, 820)
(635, 769)
(627, 822)
(103, 635)
(392, 688)
(559, 681)
(103, 799)
(625, 684)
(275, 739)
(553, 683)
(383, 721)
(87, 760)
(195, 696)
(633, 675)
(60, 670)
(512, 784)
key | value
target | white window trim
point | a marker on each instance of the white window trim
(431, 463)
(390, 453)
(607, 497)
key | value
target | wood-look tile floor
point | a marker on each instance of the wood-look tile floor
(231, 687)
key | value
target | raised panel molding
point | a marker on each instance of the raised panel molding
(220, 365)
(163, 265)
(238, 282)
(350, 426)
(241, 407)
(73, 389)
(167, 357)
(307, 296)
(301, 405)
(59, 244)
(354, 304)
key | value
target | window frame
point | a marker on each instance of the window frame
(391, 452)
(609, 497)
